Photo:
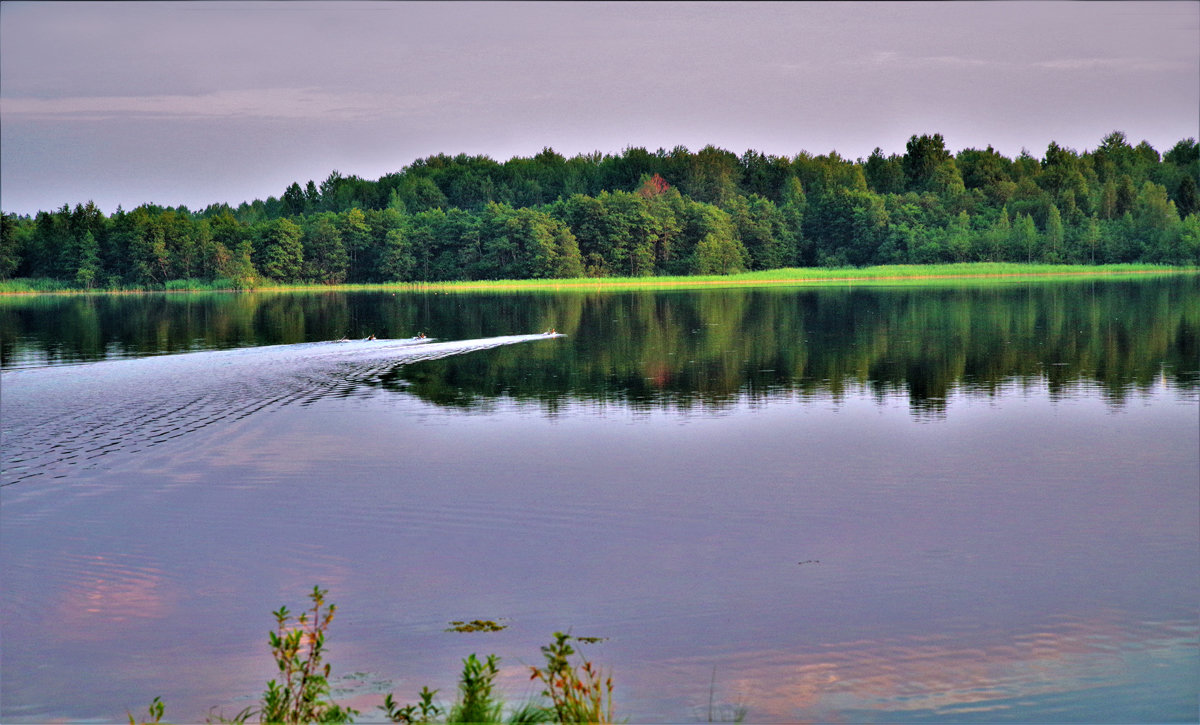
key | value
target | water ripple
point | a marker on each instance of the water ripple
(60, 420)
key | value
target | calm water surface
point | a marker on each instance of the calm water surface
(967, 504)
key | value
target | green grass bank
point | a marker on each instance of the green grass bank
(808, 276)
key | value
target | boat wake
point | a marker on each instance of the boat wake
(61, 420)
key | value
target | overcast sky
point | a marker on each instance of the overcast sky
(195, 102)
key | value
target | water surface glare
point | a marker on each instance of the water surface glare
(897, 505)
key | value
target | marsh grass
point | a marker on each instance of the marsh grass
(31, 285)
(817, 276)
(795, 276)
(200, 285)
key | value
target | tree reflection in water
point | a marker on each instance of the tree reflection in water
(680, 349)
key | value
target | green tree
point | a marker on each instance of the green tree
(48, 253)
(712, 176)
(468, 182)
(1113, 157)
(1189, 241)
(280, 250)
(774, 245)
(147, 248)
(526, 243)
(419, 193)
(983, 169)
(1091, 238)
(924, 156)
(665, 206)
(1126, 196)
(763, 231)
(633, 233)
(179, 236)
(205, 249)
(793, 203)
(1157, 223)
(1025, 239)
(88, 271)
(1187, 199)
(1107, 207)
(884, 175)
(624, 171)
(1062, 178)
(616, 232)
(367, 262)
(925, 245)
(1183, 153)
(357, 242)
(1152, 210)
(324, 254)
(312, 196)
(227, 236)
(1025, 166)
(330, 191)
(397, 261)
(764, 175)
(947, 180)
(566, 262)
(446, 244)
(295, 202)
(958, 238)
(716, 248)
(1053, 251)
(848, 227)
(84, 219)
(421, 241)
(10, 246)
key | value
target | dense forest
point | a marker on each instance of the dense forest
(640, 214)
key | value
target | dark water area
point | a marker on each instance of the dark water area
(678, 348)
(976, 503)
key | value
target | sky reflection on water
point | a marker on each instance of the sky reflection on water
(1029, 552)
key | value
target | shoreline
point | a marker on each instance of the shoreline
(808, 276)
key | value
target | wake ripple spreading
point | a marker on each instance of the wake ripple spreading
(58, 420)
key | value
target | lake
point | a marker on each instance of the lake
(966, 502)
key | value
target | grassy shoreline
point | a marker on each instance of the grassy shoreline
(794, 276)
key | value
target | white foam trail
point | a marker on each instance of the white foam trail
(412, 349)
(57, 420)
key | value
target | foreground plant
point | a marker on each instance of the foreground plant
(155, 713)
(301, 694)
(578, 693)
(423, 712)
(476, 700)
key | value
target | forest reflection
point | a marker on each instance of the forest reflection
(679, 350)
(711, 349)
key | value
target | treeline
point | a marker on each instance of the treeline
(640, 213)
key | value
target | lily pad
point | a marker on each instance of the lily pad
(476, 625)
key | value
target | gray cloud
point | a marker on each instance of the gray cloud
(313, 104)
(199, 102)
(1136, 65)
